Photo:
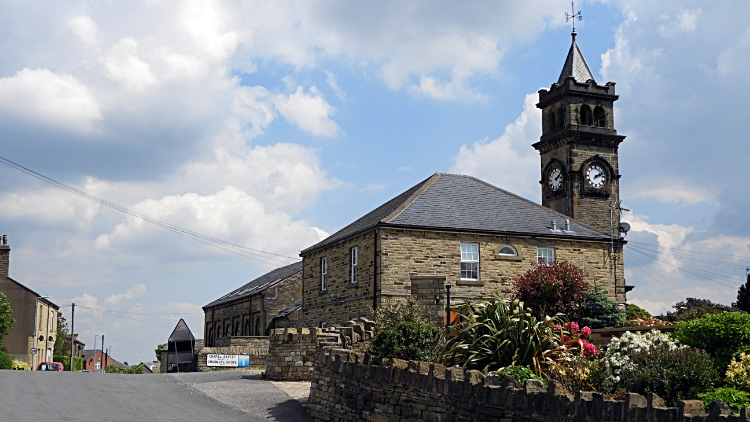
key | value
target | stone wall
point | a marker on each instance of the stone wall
(292, 351)
(250, 341)
(405, 255)
(349, 386)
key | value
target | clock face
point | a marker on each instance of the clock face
(596, 176)
(555, 179)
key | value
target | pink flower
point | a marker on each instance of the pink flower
(590, 349)
(586, 331)
(574, 327)
(557, 327)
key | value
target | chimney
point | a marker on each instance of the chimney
(4, 257)
(567, 225)
(554, 226)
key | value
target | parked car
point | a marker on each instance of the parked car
(50, 366)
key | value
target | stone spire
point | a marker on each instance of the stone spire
(575, 65)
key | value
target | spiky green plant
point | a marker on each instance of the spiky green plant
(497, 332)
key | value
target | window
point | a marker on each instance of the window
(353, 272)
(507, 250)
(323, 324)
(469, 261)
(323, 273)
(545, 256)
(600, 117)
(97, 366)
(586, 116)
(51, 321)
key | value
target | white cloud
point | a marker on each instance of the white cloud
(206, 22)
(308, 110)
(684, 22)
(86, 30)
(674, 192)
(123, 65)
(42, 96)
(508, 161)
(668, 236)
(331, 79)
(137, 291)
(49, 206)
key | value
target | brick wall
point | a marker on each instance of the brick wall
(349, 386)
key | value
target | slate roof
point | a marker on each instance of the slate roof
(288, 310)
(260, 284)
(463, 203)
(575, 65)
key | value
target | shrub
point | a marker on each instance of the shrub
(722, 335)
(735, 399)
(112, 369)
(65, 360)
(521, 372)
(636, 312)
(135, 369)
(738, 372)
(20, 366)
(496, 333)
(574, 373)
(392, 313)
(551, 289)
(6, 360)
(673, 374)
(598, 311)
(607, 376)
(693, 308)
(406, 340)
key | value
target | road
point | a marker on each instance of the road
(214, 396)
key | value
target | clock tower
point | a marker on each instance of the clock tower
(578, 146)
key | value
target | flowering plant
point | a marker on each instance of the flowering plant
(738, 372)
(617, 360)
(576, 339)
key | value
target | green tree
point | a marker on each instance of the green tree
(598, 311)
(743, 296)
(694, 308)
(158, 349)
(61, 341)
(6, 321)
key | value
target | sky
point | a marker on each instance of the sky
(273, 124)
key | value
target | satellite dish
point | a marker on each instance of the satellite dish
(623, 228)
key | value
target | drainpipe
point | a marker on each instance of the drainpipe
(374, 269)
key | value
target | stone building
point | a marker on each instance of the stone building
(460, 231)
(35, 317)
(247, 311)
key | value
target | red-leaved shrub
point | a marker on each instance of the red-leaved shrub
(555, 288)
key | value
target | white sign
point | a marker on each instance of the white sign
(33, 350)
(230, 361)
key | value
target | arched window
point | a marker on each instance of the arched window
(228, 330)
(218, 331)
(600, 117)
(552, 123)
(237, 328)
(211, 337)
(507, 250)
(587, 118)
(247, 327)
(561, 117)
(257, 327)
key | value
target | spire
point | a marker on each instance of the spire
(575, 65)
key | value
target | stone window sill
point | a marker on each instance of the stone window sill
(508, 258)
(322, 292)
(352, 285)
(470, 283)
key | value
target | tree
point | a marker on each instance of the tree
(743, 296)
(6, 321)
(555, 288)
(61, 342)
(158, 350)
(694, 308)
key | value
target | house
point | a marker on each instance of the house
(35, 317)
(458, 234)
(247, 311)
(96, 360)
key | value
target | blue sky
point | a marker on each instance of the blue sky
(273, 124)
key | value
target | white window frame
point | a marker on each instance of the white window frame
(51, 320)
(507, 254)
(541, 258)
(466, 258)
(353, 262)
(324, 273)
(323, 324)
(97, 366)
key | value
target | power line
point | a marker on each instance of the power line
(208, 240)
(657, 281)
(643, 285)
(678, 253)
(687, 250)
(687, 269)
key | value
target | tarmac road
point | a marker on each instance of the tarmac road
(64, 396)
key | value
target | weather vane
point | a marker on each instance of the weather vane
(574, 15)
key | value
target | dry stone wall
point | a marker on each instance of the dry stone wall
(350, 386)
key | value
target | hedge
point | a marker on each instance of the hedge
(65, 360)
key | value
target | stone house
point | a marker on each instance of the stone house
(35, 317)
(458, 231)
(247, 311)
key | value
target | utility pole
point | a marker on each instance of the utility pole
(72, 336)
(104, 356)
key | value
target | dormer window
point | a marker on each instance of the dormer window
(507, 250)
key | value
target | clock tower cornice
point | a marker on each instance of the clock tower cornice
(579, 135)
